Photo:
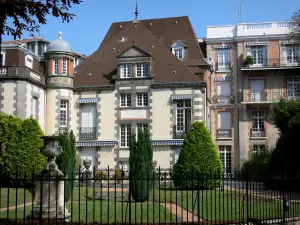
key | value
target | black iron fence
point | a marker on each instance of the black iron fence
(107, 200)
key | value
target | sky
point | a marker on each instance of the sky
(94, 17)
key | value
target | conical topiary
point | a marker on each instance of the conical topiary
(198, 164)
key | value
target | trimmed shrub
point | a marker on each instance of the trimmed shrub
(66, 161)
(249, 60)
(140, 164)
(198, 157)
(257, 167)
(21, 144)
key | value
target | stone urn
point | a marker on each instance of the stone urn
(87, 164)
(87, 174)
(51, 149)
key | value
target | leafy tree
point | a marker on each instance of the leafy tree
(66, 161)
(20, 142)
(198, 157)
(140, 164)
(27, 15)
(295, 26)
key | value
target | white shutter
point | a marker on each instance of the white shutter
(257, 90)
(248, 49)
(224, 88)
(88, 115)
(90, 154)
(224, 120)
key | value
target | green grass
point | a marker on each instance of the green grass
(13, 196)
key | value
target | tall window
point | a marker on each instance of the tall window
(55, 71)
(125, 71)
(225, 156)
(259, 54)
(258, 124)
(223, 59)
(178, 52)
(64, 66)
(183, 115)
(141, 70)
(257, 90)
(34, 110)
(125, 133)
(293, 88)
(292, 54)
(142, 99)
(125, 100)
(224, 125)
(88, 129)
(63, 113)
(141, 126)
(257, 149)
(224, 92)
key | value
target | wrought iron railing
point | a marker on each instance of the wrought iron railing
(258, 132)
(180, 131)
(223, 99)
(223, 66)
(273, 63)
(87, 133)
(224, 133)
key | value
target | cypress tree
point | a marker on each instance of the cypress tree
(140, 162)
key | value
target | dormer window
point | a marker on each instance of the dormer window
(125, 71)
(178, 50)
(142, 70)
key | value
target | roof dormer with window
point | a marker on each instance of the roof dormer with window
(178, 49)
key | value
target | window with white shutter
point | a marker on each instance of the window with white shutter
(224, 92)
(257, 90)
(88, 129)
(224, 125)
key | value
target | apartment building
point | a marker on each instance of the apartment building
(253, 66)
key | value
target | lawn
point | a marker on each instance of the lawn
(16, 196)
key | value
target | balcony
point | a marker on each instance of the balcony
(3, 70)
(224, 133)
(223, 99)
(258, 133)
(223, 67)
(87, 133)
(272, 63)
(180, 131)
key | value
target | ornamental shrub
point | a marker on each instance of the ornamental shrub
(198, 159)
(249, 60)
(140, 164)
(20, 156)
(66, 161)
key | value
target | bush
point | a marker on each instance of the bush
(21, 144)
(99, 175)
(249, 60)
(66, 161)
(257, 167)
(198, 156)
(141, 168)
(119, 175)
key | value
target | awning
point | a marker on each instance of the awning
(177, 142)
(218, 79)
(289, 43)
(180, 97)
(256, 44)
(222, 47)
(88, 100)
(256, 78)
(96, 143)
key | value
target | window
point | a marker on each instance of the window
(259, 54)
(257, 90)
(34, 110)
(125, 131)
(178, 49)
(141, 126)
(55, 71)
(125, 71)
(183, 115)
(178, 52)
(141, 70)
(28, 61)
(257, 149)
(292, 54)
(225, 156)
(63, 113)
(224, 92)
(224, 125)
(293, 88)
(3, 58)
(88, 129)
(125, 100)
(142, 99)
(258, 124)
(64, 66)
(223, 59)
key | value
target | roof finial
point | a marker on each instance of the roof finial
(136, 11)
(59, 35)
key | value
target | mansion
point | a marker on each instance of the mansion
(156, 74)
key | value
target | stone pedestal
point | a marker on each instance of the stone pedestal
(49, 200)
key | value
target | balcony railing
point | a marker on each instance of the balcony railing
(291, 97)
(180, 131)
(257, 97)
(224, 133)
(258, 132)
(223, 66)
(3, 70)
(273, 63)
(87, 133)
(223, 99)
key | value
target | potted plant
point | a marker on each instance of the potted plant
(249, 60)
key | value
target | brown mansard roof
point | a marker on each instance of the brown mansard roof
(21, 41)
(154, 37)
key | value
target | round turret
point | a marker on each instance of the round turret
(59, 45)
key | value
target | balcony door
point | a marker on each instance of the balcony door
(224, 124)
(259, 55)
(257, 90)
(88, 127)
(224, 92)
